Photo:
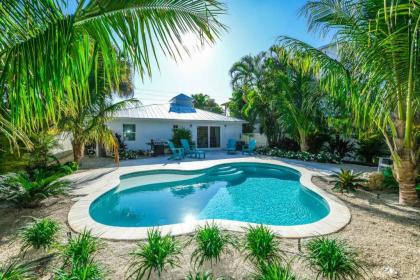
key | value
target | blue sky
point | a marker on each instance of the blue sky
(253, 25)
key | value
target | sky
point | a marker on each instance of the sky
(254, 26)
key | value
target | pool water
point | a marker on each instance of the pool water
(246, 192)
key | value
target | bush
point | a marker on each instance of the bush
(274, 271)
(181, 133)
(211, 243)
(347, 180)
(15, 270)
(155, 255)
(317, 141)
(333, 259)
(74, 166)
(305, 156)
(262, 245)
(40, 234)
(389, 179)
(79, 262)
(370, 148)
(339, 147)
(200, 276)
(22, 191)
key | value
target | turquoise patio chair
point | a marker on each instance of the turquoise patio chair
(193, 152)
(177, 153)
(231, 146)
(251, 147)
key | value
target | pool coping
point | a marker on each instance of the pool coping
(79, 217)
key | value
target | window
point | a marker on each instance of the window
(129, 132)
(175, 127)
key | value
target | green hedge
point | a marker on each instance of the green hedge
(305, 156)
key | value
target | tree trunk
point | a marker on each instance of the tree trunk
(304, 147)
(406, 173)
(78, 150)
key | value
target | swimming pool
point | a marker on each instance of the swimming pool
(245, 192)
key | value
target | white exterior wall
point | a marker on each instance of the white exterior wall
(161, 130)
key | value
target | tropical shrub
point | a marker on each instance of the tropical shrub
(370, 148)
(347, 180)
(274, 271)
(339, 147)
(181, 133)
(39, 234)
(333, 259)
(74, 166)
(211, 244)
(19, 189)
(305, 156)
(261, 245)
(78, 259)
(200, 276)
(15, 270)
(389, 179)
(156, 255)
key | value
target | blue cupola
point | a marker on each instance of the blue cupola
(181, 104)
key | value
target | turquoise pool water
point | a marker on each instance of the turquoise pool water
(246, 192)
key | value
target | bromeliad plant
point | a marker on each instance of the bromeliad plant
(346, 180)
(261, 245)
(333, 260)
(39, 234)
(211, 244)
(19, 189)
(158, 253)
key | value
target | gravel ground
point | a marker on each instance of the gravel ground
(385, 235)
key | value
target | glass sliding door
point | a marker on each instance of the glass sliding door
(214, 137)
(202, 137)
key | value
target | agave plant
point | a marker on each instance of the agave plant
(346, 180)
(15, 270)
(262, 245)
(156, 255)
(333, 260)
(39, 234)
(211, 244)
(19, 189)
(274, 271)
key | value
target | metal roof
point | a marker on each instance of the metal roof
(162, 112)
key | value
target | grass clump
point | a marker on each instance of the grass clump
(79, 262)
(15, 270)
(156, 255)
(346, 180)
(333, 259)
(39, 234)
(261, 245)
(211, 243)
(274, 271)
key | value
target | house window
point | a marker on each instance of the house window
(175, 127)
(129, 132)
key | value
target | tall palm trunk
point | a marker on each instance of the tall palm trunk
(303, 143)
(78, 150)
(405, 168)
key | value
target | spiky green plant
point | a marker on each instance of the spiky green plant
(346, 180)
(19, 189)
(201, 276)
(158, 253)
(15, 270)
(78, 258)
(211, 244)
(39, 234)
(333, 260)
(261, 245)
(274, 271)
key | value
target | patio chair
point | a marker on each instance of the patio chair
(193, 152)
(231, 146)
(177, 153)
(251, 147)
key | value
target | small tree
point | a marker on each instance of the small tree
(181, 133)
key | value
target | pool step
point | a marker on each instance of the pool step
(230, 175)
(224, 171)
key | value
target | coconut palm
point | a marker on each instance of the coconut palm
(203, 101)
(377, 77)
(48, 48)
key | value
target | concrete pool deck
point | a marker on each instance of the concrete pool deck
(90, 184)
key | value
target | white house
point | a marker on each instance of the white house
(139, 125)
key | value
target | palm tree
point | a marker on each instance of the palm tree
(203, 101)
(48, 48)
(378, 48)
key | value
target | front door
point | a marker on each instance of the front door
(208, 137)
